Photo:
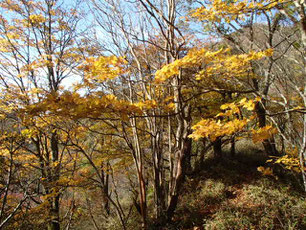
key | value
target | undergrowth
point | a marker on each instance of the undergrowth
(231, 194)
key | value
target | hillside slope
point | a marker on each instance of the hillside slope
(231, 194)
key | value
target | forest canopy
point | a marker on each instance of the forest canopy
(139, 114)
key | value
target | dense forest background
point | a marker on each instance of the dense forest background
(152, 114)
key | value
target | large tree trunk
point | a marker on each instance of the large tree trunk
(54, 223)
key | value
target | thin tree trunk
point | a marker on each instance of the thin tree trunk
(269, 144)
(217, 145)
(179, 178)
(233, 147)
(54, 223)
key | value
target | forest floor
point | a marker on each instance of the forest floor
(232, 194)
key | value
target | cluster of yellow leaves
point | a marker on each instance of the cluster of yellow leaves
(71, 54)
(146, 105)
(229, 65)
(104, 68)
(26, 159)
(28, 133)
(219, 63)
(34, 91)
(10, 100)
(194, 58)
(289, 161)
(10, 5)
(73, 105)
(231, 124)
(11, 35)
(235, 108)
(5, 45)
(4, 152)
(267, 171)
(263, 133)
(216, 10)
(37, 19)
(213, 129)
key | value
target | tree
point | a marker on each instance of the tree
(38, 42)
(268, 24)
